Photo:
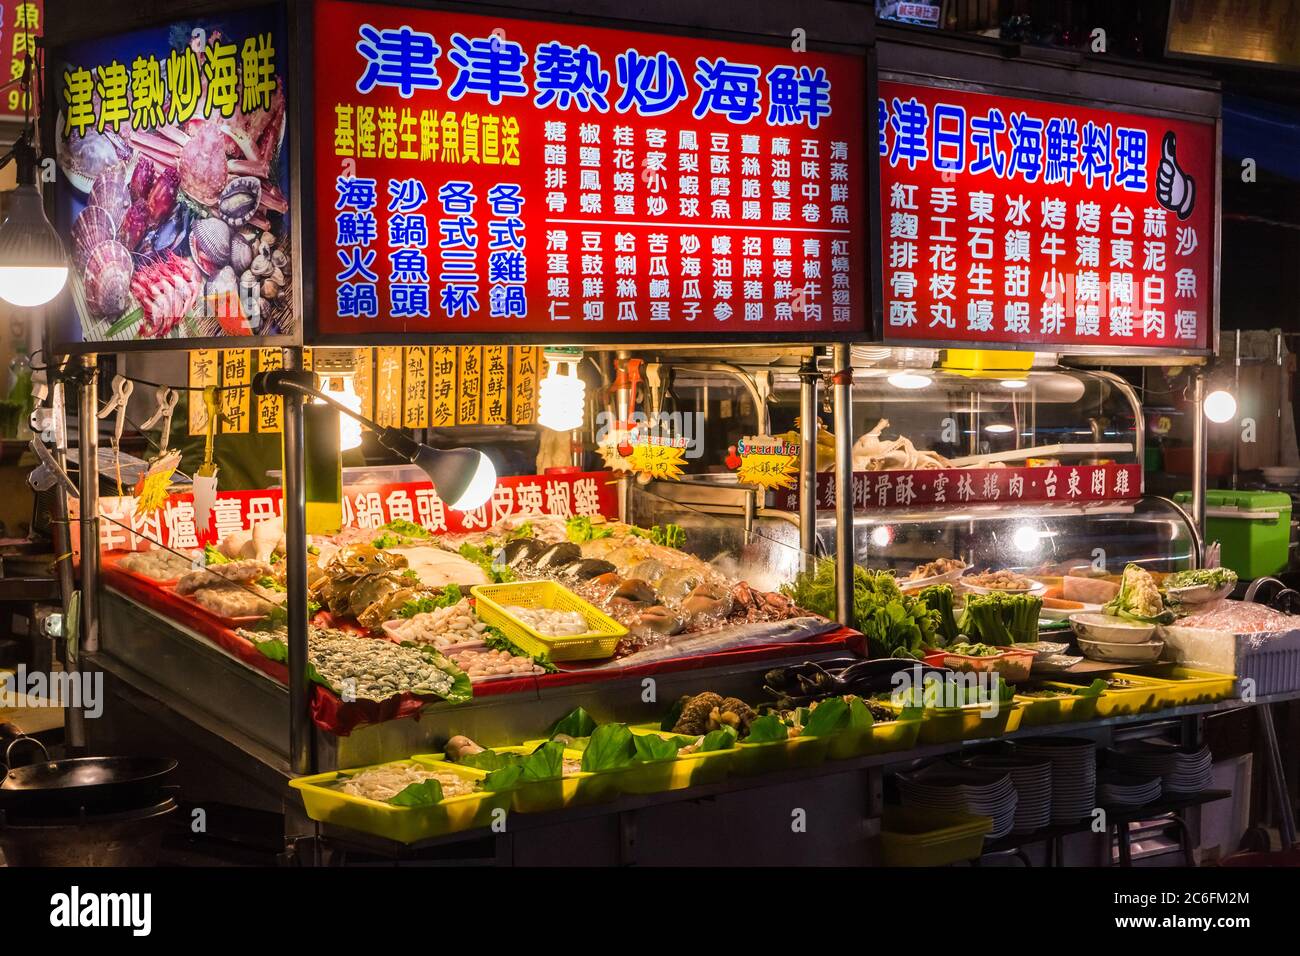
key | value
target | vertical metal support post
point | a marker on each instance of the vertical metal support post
(1236, 393)
(295, 536)
(1277, 777)
(1199, 458)
(74, 719)
(844, 555)
(808, 458)
(88, 477)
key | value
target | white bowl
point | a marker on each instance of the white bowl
(1113, 653)
(1035, 588)
(1199, 593)
(948, 577)
(1108, 629)
(1281, 474)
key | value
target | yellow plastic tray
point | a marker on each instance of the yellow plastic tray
(1039, 711)
(538, 796)
(403, 824)
(1185, 685)
(914, 837)
(943, 725)
(678, 773)
(879, 738)
(1120, 701)
(794, 753)
(600, 641)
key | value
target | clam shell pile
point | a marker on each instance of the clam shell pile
(365, 668)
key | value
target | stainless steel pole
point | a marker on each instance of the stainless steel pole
(844, 555)
(1199, 457)
(88, 478)
(74, 718)
(295, 536)
(808, 458)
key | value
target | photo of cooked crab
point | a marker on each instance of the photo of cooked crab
(174, 172)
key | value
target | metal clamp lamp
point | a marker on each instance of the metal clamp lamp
(463, 477)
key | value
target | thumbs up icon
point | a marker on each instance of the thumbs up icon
(1175, 190)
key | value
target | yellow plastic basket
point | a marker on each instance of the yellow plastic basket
(1038, 711)
(913, 837)
(1117, 701)
(538, 796)
(493, 599)
(1185, 685)
(327, 804)
(880, 738)
(677, 773)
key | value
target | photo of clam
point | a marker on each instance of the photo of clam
(173, 178)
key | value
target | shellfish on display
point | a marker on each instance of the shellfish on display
(239, 200)
(108, 278)
(93, 226)
(112, 192)
(210, 245)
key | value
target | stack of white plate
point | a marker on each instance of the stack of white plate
(1182, 771)
(1032, 778)
(1074, 774)
(984, 793)
(1126, 790)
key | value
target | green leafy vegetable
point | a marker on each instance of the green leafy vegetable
(580, 530)
(1094, 689)
(609, 748)
(484, 559)
(652, 747)
(767, 729)
(495, 640)
(1000, 619)
(724, 738)
(525, 530)
(451, 594)
(828, 717)
(1201, 577)
(938, 598)
(576, 723)
(426, 793)
(212, 556)
(898, 625)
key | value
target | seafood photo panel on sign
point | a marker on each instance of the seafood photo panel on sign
(173, 183)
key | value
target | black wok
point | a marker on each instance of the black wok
(81, 782)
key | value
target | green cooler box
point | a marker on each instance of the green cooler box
(1254, 528)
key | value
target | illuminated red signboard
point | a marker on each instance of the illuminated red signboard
(1023, 222)
(481, 174)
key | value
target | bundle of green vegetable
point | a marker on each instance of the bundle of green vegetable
(1138, 599)
(897, 624)
(1214, 578)
(938, 597)
(1000, 618)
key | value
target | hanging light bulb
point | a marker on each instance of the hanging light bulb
(1220, 406)
(340, 389)
(33, 264)
(561, 401)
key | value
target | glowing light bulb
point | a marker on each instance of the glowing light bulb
(561, 399)
(480, 486)
(349, 428)
(909, 380)
(1220, 406)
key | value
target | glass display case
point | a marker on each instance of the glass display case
(1034, 469)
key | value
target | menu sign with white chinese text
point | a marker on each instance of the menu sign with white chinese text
(1021, 222)
(476, 174)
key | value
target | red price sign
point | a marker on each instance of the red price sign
(482, 174)
(1013, 221)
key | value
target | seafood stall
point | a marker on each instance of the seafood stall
(662, 493)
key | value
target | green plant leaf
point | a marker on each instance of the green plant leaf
(829, 717)
(576, 723)
(426, 793)
(610, 748)
(652, 747)
(767, 729)
(724, 738)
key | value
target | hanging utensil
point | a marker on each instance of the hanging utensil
(122, 388)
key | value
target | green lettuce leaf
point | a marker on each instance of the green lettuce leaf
(426, 793)
(610, 748)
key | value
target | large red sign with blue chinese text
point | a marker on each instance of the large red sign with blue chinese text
(480, 174)
(1024, 222)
